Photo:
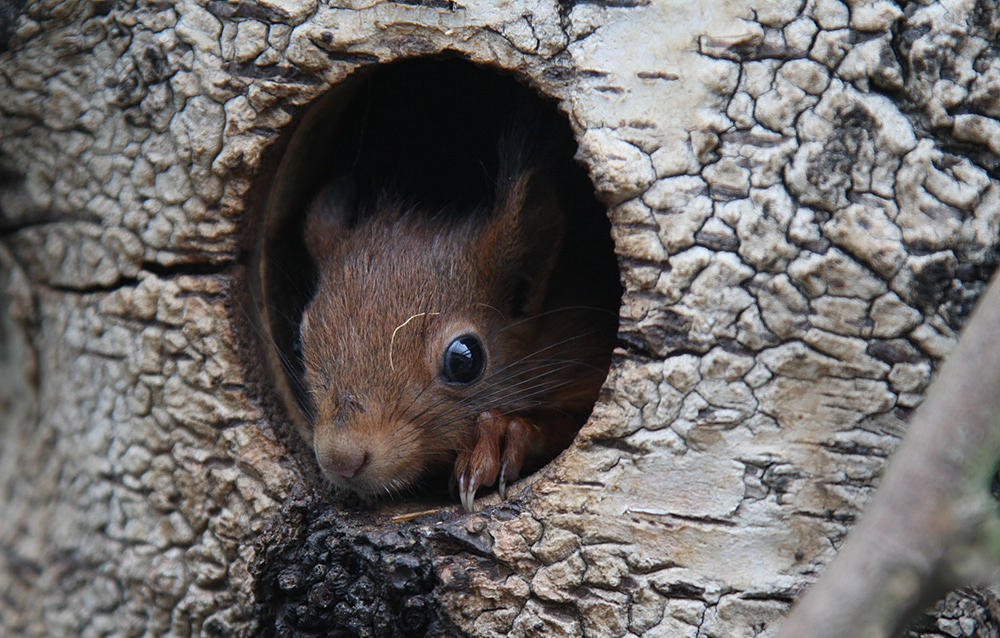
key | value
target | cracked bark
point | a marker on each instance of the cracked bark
(933, 524)
(806, 207)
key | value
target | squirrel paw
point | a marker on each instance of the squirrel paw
(498, 449)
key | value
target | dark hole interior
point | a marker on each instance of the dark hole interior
(427, 130)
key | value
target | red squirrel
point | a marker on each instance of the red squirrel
(438, 341)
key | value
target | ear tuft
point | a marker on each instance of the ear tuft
(524, 238)
(329, 216)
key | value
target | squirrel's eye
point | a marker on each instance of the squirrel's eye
(464, 360)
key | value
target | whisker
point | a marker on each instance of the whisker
(494, 381)
(288, 366)
(473, 404)
(520, 398)
(546, 313)
(527, 373)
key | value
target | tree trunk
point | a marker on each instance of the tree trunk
(805, 205)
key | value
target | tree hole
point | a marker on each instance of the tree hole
(437, 281)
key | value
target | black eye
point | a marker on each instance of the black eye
(464, 360)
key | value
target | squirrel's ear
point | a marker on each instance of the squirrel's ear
(524, 236)
(329, 216)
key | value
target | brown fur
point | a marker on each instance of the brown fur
(395, 287)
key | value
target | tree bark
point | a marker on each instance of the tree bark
(805, 205)
(933, 524)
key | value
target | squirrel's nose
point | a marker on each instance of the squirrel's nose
(346, 463)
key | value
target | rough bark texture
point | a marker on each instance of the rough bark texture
(933, 524)
(806, 205)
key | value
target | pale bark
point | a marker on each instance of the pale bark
(805, 203)
(933, 525)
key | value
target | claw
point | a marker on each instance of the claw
(497, 454)
(515, 449)
(506, 476)
(467, 493)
